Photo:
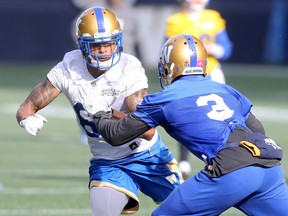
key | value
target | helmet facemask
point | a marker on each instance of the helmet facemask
(165, 74)
(86, 43)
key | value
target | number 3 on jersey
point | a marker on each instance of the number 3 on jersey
(220, 111)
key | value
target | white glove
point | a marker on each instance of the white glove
(33, 124)
(93, 100)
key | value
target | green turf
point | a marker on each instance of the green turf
(48, 174)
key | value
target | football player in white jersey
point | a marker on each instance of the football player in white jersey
(111, 79)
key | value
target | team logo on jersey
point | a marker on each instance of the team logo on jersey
(111, 92)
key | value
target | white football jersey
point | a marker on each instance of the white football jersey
(120, 81)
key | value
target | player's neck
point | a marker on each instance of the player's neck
(95, 72)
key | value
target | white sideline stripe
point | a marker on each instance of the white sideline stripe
(271, 114)
(256, 74)
(87, 211)
(58, 173)
(44, 191)
(8, 212)
(261, 112)
(65, 112)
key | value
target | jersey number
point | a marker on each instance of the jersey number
(85, 121)
(220, 111)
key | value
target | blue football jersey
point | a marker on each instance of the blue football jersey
(197, 112)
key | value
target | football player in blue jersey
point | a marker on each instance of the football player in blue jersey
(210, 27)
(215, 122)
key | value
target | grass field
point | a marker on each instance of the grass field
(48, 174)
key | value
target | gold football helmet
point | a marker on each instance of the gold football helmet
(181, 55)
(99, 25)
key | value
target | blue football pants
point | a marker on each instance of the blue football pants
(253, 190)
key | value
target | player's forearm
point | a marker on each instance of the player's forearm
(119, 132)
(131, 101)
(148, 135)
(30, 106)
(41, 96)
(25, 110)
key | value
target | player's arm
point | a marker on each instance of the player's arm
(241, 133)
(119, 132)
(254, 124)
(131, 102)
(40, 96)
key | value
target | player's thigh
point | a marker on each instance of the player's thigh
(156, 179)
(272, 196)
(203, 195)
(114, 177)
(107, 201)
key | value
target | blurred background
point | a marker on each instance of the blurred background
(34, 30)
(48, 174)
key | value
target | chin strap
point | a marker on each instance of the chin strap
(93, 61)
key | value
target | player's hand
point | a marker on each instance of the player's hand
(93, 100)
(33, 124)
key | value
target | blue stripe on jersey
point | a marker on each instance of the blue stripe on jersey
(99, 19)
(193, 55)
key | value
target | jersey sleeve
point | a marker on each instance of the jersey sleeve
(56, 75)
(151, 110)
(60, 75)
